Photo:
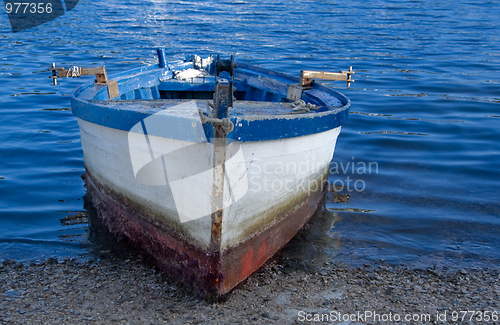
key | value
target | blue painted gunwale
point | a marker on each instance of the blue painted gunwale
(89, 102)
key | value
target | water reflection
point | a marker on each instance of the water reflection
(102, 243)
(315, 243)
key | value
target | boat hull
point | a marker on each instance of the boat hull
(208, 195)
(283, 187)
(211, 275)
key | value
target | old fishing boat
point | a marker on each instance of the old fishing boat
(209, 167)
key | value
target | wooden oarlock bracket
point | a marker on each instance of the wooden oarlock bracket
(100, 77)
(306, 76)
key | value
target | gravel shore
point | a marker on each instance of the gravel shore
(116, 291)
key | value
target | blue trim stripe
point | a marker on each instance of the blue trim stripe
(88, 103)
(282, 127)
(124, 116)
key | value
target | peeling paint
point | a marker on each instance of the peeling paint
(210, 274)
(172, 254)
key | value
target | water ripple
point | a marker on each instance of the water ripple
(424, 108)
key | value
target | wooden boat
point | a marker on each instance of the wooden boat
(207, 166)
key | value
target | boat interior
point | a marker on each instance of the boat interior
(200, 88)
(250, 84)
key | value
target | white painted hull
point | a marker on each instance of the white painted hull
(264, 181)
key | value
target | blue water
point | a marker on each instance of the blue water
(425, 112)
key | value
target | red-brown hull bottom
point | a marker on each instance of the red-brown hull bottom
(210, 274)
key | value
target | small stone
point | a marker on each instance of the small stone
(388, 291)
(463, 271)
(366, 265)
(13, 294)
(21, 311)
(52, 260)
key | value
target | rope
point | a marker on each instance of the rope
(299, 107)
(73, 72)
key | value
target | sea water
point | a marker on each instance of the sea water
(425, 117)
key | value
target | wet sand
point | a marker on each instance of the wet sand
(130, 291)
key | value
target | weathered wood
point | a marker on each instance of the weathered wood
(306, 76)
(113, 89)
(294, 93)
(63, 72)
(99, 72)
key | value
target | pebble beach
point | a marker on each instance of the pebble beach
(130, 291)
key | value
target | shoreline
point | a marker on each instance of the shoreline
(131, 291)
